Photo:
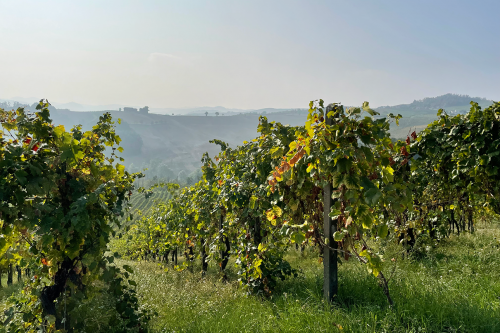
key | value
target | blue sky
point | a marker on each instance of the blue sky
(248, 54)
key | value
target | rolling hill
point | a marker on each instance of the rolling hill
(171, 146)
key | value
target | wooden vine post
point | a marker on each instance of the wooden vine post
(330, 283)
(221, 240)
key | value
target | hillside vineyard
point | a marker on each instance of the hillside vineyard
(338, 185)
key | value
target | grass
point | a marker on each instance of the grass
(7, 290)
(455, 288)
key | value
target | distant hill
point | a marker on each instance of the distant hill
(198, 111)
(418, 114)
(84, 107)
(451, 102)
(171, 146)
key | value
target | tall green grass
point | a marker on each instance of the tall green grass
(7, 290)
(452, 288)
(455, 288)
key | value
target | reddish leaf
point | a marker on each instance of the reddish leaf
(403, 151)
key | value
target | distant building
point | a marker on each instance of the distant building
(144, 110)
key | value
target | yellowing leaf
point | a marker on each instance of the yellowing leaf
(387, 174)
(121, 169)
(277, 211)
(253, 200)
(59, 130)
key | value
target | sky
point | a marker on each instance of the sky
(248, 54)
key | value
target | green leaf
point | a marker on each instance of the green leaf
(367, 183)
(351, 181)
(128, 268)
(298, 237)
(362, 210)
(343, 165)
(276, 152)
(367, 221)
(334, 213)
(27, 317)
(372, 196)
(366, 107)
(337, 179)
(79, 156)
(383, 230)
(338, 236)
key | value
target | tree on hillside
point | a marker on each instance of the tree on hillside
(206, 113)
(216, 113)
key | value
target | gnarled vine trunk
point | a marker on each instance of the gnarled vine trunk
(51, 293)
(204, 257)
(257, 237)
(225, 253)
(9, 275)
(165, 256)
(174, 256)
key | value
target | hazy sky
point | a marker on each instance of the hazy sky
(248, 54)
